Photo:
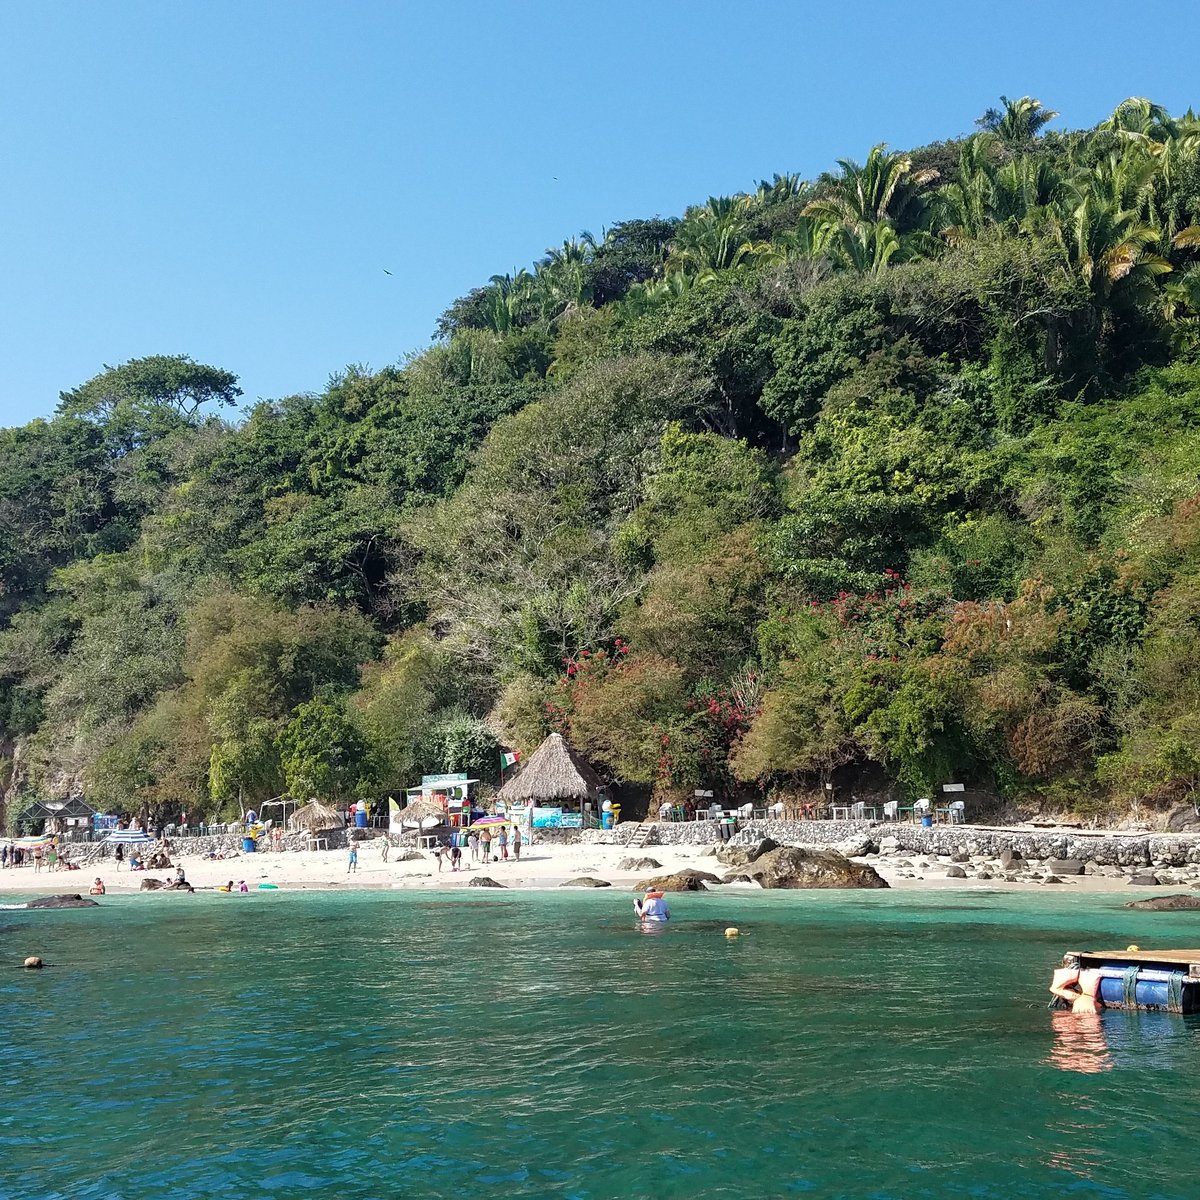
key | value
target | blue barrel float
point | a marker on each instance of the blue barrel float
(248, 845)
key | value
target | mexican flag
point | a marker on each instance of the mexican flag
(509, 760)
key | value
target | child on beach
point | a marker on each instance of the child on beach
(473, 843)
(352, 865)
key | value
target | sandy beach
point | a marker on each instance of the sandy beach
(541, 866)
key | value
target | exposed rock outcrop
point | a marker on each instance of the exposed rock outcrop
(638, 864)
(485, 881)
(72, 901)
(585, 881)
(743, 856)
(688, 880)
(1175, 903)
(791, 867)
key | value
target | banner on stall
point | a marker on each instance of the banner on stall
(548, 818)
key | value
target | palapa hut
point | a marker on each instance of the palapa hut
(555, 776)
(420, 814)
(315, 817)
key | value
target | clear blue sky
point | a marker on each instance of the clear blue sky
(230, 180)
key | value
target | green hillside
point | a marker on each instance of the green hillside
(894, 471)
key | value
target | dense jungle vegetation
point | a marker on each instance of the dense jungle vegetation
(894, 470)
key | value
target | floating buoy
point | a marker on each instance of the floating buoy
(732, 932)
(33, 963)
(1129, 949)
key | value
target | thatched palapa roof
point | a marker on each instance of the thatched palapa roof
(554, 772)
(314, 817)
(421, 809)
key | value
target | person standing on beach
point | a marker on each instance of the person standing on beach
(502, 838)
(473, 844)
(485, 844)
(352, 864)
(37, 859)
(516, 842)
(119, 855)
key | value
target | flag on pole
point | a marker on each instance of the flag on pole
(509, 760)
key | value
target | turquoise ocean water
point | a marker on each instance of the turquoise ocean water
(892, 1045)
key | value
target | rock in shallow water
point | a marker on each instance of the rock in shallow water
(1165, 903)
(73, 901)
(585, 881)
(484, 881)
(687, 880)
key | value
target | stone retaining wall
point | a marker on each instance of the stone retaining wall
(862, 837)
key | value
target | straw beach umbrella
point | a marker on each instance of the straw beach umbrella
(315, 817)
(421, 814)
(554, 772)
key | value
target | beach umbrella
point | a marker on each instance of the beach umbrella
(128, 837)
(33, 842)
(315, 817)
(488, 823)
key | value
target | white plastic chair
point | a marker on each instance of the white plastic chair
(891, 810)
(858, 811)
(958, 812)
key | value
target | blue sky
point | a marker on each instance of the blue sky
(231, 180)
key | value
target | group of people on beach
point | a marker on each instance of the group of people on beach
(481, 846)
(51, 856)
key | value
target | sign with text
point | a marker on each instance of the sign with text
(547, 818)
(953, 787)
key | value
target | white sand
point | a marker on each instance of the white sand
(541, 866)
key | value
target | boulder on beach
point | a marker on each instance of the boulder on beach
(405, 856)
(743, 856)
(687, 880)
(792, 867)
(1064, 866)
(72, 901)
(1145, 881)
(485, 881)
(953, 872)
(1176, 903)
(585, 881)
(638, 864)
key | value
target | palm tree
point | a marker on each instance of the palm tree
(713, 237)
(1019, 122)
(884, 188)
(874, 211)
(561, 280)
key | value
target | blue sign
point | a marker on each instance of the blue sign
(547, 818)
(571, 821)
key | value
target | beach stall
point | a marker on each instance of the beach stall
(556, 789)
(453, 794)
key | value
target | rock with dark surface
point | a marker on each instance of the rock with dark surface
(1009, 858)
(1064, 866)
(960, 856)
(953, 872)
(1184, 819)
(485, 881)
(687, 880)
(585, 881)
(1165, 903)
(742, 856)
(404, 856)
(638, 864)
(72, 901)
(1144, 881)
(166, 885)
(791, 867)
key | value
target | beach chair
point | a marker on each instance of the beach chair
(921, 808)
(958, 812)
(858, 811)
(891, 810)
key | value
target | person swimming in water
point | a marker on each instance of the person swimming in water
(652, 907)
(1078, 989)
